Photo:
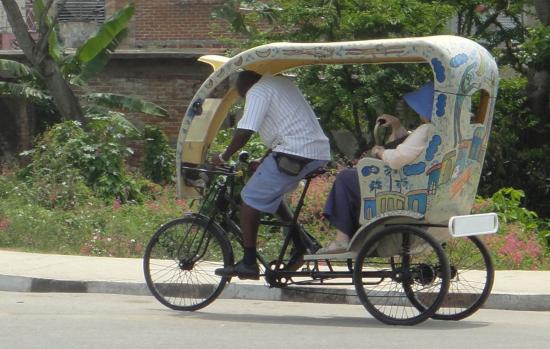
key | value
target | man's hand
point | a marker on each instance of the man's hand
(253, 165)
(216, 160)
(239, 140)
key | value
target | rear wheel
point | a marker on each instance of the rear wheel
(472, 277)
(180, 260)
(395, 263)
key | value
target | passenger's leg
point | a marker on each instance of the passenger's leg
(342, 209)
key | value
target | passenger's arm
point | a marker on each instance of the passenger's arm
(397, 130)
(409, 150)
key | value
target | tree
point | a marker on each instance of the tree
(388, 171)
(43, 88)
(350, 97)
(38, 55)
(539, 70)
(347, 96)
(517, 150)
(375, 185)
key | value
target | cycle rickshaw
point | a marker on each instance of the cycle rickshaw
(403, 260)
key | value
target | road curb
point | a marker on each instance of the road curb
(12, 283)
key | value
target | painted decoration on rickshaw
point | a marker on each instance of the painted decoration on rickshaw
(443, 181)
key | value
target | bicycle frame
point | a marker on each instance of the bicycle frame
(224, 211)
(224, 214)
(226, 207)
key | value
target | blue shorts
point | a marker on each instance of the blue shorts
(264, 191)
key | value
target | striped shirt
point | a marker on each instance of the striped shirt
(277, 110)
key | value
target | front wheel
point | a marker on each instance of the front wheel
(180, 260)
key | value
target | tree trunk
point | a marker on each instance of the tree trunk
(24, 128)
(538, 92)
(538, 81)
(63, 96)
(543, 11)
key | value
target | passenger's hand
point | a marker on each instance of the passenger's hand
(377, 151)
(389, 120)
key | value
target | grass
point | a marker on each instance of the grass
(97, 228)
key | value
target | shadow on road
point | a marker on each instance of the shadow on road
(332, 321)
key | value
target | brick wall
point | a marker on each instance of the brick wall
(171, 23)
(171, 83)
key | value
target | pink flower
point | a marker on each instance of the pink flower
(5, 223)
(153, 206)
(511, 244)
(532, 248)
(182, 204)
(516, 257)
(116, 204)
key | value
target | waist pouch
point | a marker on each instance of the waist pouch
(291, 165)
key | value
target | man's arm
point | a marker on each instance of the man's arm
(240, 138)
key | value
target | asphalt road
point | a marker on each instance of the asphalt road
(56, 320)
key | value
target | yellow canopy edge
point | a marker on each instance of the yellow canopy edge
(215, 61)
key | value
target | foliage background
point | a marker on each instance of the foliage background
(350, 97)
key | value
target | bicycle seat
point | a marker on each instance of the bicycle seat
(317, 172)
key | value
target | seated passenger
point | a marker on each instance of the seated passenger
(342, 208)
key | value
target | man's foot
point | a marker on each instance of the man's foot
(296, 260)
(241, 270)
(334, 247)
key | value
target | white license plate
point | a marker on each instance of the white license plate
(474, 224)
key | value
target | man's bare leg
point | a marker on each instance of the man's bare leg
(247, 268)
(250, 221)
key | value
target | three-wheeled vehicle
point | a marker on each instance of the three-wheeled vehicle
(416, 254)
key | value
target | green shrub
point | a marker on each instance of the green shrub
(91, 228)
(522, 242)
(159, 156)
(254, 146)
(513, 160)
(69, 162)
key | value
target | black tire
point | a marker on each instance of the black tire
(415, 264)
(180, 260)
(472, 277)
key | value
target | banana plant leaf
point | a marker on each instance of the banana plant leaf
(128, 103)
(22, 91)
(54, 47)
(38, 8)
(104, 36)
(94, 66)
(96, 111)
(15, 69)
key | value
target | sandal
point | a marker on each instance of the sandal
(334, 247)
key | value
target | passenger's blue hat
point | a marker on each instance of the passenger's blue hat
(422, 100)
